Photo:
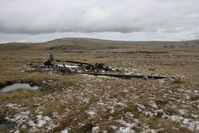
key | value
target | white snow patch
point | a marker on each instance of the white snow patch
(125, 130)
(95, 129)
(182, 111)
(91, 113)
(188, 123)
(124, 123)
(22, 119)
(153, 104)
(64, 131)
(129, 114)
(162, 81)
(113, 127)
(13, 106)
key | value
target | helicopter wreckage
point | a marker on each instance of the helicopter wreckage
(97, 69)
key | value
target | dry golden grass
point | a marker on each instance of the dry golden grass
(68, 93)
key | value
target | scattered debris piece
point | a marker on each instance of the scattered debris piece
(49, 62)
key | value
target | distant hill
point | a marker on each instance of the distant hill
(100, 41)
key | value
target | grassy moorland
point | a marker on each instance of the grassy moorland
(83, 103)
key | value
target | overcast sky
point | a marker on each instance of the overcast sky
(41, 20)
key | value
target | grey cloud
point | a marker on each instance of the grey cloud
(88, 16)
